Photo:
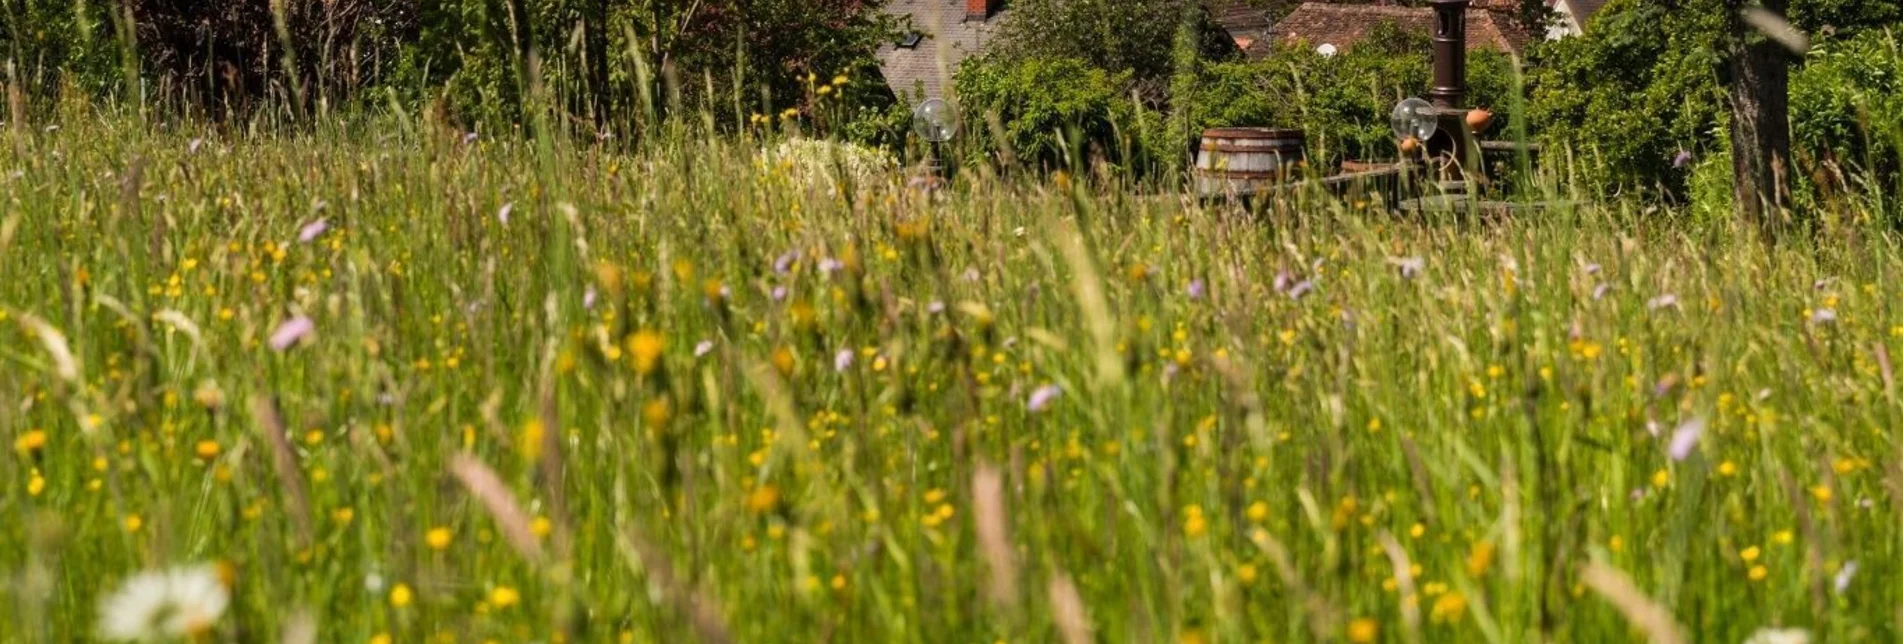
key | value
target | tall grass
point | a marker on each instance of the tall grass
(562, 394)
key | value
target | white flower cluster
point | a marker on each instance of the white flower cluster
(823, 163)
(181, 602)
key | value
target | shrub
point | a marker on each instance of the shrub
(1051, 111)
(1847, 104)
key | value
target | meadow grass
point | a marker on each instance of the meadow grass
(552, 393)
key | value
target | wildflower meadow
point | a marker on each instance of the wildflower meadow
(371, 382)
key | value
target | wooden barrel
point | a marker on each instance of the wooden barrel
(1243, 160)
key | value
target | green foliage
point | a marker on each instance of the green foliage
(1135, 36)
(1341, 102)
(1631, 93)
(607, 62)
(1051, 111)
(1847, 103)
(50, 42)
(1642, 85)
(599, 65)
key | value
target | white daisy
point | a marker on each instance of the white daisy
(1779, 636)
(179, 602)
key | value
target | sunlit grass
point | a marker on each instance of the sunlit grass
(560, 394)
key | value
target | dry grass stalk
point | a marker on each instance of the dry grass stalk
(1404, 579)
(496, 498)
(284, 462)
(987, 493)
(1067, 608)
(1648, 616)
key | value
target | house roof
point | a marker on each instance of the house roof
(1343, 25)
(1582, 10)
(1245, 24)
(948, 40)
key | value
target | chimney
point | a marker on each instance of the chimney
(1450, 53)
(979, 10)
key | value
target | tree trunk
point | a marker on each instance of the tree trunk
(1757, 74)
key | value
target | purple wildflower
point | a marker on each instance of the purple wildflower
(1283, 280)
(1682, 159)
(779, 293)
(1600, 290)
(311, 230)
(1592, 269)
(1196, 289)
(1685, 438)
(469, 138)
(1300, 289)
(502, 215)
(784, 263)
(935, 308)
(842, 360)
(829, 266)
(192, 148)
(1823, 316)
(1667, 300)
(588, 298)
(703, 348)
(1043, 397)
(290, 332)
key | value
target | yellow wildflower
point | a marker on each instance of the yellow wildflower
(763, 499)
(1363, 630)
(437, 538)
(30, 443)
(1194, 525)
(644, 348)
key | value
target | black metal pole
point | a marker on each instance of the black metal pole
(1450, 53)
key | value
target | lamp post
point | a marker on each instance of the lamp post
(936, 121)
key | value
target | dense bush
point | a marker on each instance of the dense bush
(600, 61)
(1050, 111)
(1847, 104)
(1135, 36)
(1641, 86)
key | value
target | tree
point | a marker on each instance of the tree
(1757, 76)
(1652, 81)
(1135, 36)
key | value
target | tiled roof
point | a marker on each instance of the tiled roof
(1246, 25)
(1343, 25)
(948, 40)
